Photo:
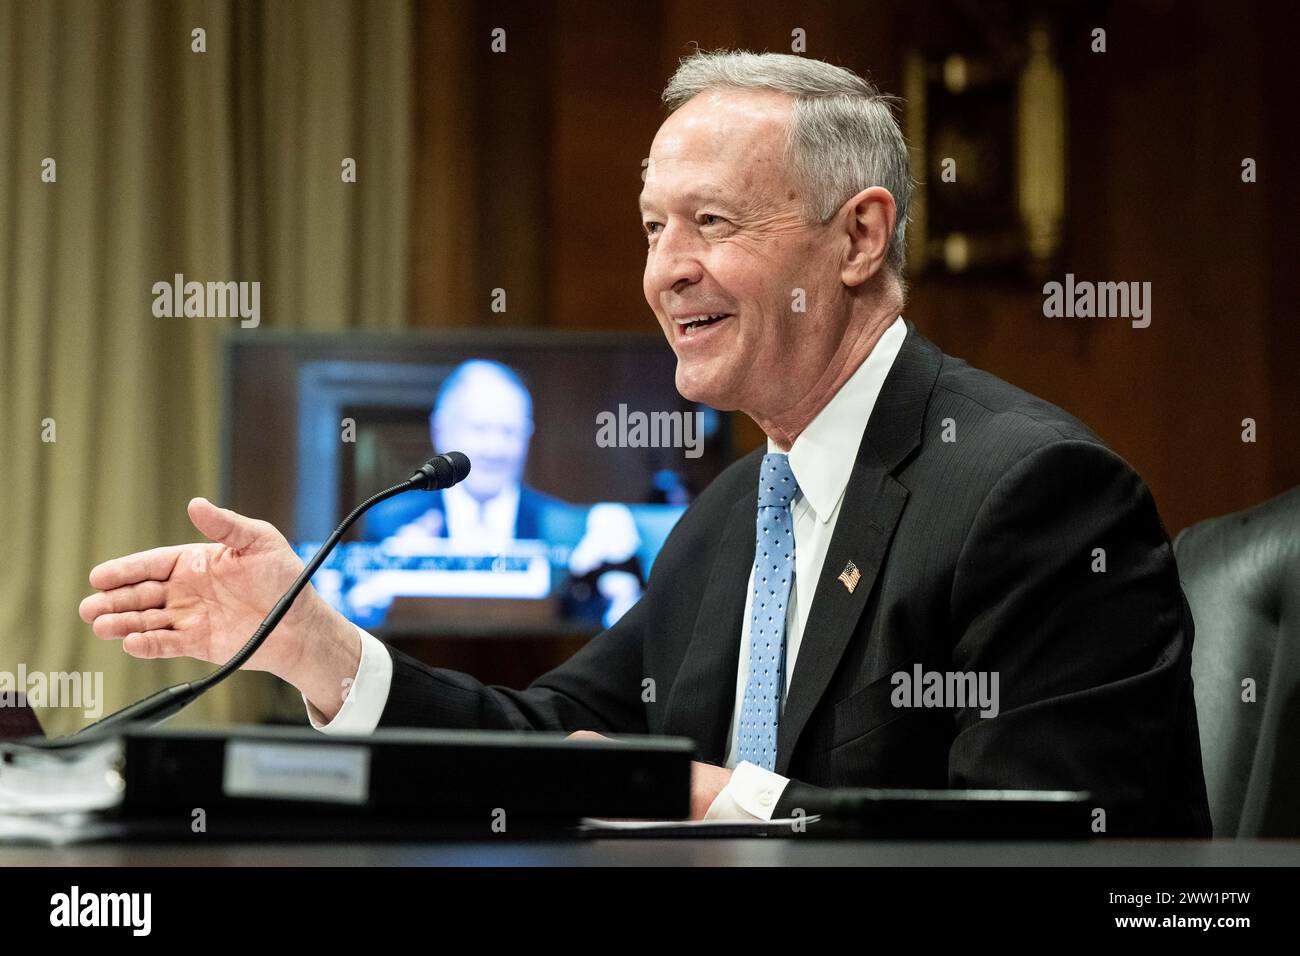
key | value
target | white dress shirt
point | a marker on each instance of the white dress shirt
(489, 524)
(822, 459)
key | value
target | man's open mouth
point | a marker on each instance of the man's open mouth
(696, 322)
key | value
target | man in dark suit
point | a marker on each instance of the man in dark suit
(911, 518)
(483, 409)
(974, 555)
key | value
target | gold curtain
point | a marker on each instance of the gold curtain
(222, 165)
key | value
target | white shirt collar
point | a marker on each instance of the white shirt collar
(822, 456)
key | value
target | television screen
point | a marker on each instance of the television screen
(583, 457)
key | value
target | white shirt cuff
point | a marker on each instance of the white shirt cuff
(752, 793)
(366, 695)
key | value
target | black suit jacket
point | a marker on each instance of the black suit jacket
(976, 555)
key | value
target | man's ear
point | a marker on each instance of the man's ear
(868, 222)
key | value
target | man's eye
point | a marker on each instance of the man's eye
(709, 219)
(650, 227)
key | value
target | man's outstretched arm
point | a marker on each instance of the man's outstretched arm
(599, 688)
(204, 600)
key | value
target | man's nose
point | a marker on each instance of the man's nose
(675, 259)
(500, 442)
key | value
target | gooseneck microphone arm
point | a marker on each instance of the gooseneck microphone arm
(442, 471)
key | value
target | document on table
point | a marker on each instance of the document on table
(53, 797)
(701, 827)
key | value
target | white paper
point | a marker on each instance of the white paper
(594, 823)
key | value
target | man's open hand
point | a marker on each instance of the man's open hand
(205, 600)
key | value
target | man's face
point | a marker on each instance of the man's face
(487, 419)
(728, 233)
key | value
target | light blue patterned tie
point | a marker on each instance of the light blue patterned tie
(773, 577)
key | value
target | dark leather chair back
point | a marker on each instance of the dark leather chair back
(1241, 574)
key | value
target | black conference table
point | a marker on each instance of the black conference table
(675, 851)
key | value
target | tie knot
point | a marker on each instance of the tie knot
(776, 484)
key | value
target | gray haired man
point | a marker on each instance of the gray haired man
(909, 514)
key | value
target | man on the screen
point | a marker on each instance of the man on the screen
(484, 410)
(909, 516)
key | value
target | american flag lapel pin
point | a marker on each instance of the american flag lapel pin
(850, 576)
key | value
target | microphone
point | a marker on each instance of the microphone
(439, 472)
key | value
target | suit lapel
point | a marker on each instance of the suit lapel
(873, 503)
(703, 700)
